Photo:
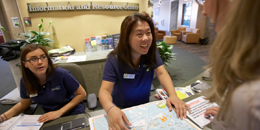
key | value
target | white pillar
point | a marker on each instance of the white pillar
(16, 71)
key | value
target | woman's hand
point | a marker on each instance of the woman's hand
(49, 116)
(180, 106)
(116, 119)
(211, 111)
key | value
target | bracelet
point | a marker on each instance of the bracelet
(5, 116)
(110, 108)
(2, 118)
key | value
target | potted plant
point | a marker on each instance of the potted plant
(166, 52)
(33, 37)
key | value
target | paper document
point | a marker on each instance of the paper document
(198, 107)
(11, 98)
(181, 95)
(22, 122)
(76, 58)
(6, 124)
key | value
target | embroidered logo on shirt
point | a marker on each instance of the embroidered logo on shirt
(56, 88)
(33, 95)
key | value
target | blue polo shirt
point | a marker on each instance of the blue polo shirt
(56, 93)
(130, 92)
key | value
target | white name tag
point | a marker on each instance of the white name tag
(129, 76)
(33, 95)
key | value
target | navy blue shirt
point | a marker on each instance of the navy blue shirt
(130, 92)
(56, 93)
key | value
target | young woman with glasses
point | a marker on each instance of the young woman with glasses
(52, 88)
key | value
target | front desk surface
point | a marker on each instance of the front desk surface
(66, 119)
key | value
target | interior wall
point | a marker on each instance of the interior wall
(6, 36)
(163, 14)
(9, 9)
(201, 22)
(70, 28)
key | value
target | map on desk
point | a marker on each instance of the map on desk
(147, 116)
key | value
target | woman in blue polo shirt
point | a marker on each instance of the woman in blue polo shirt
(129, 71)
(53, 88)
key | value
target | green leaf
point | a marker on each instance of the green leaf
(42, 29)
(2, 28)
(35, 33)
(26, 22)
(23, 46)
(17, 24)
(42, 20)
(50, 22)
(40, 26)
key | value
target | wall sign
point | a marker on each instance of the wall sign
(82, 6)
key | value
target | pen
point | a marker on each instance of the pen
(210, 117)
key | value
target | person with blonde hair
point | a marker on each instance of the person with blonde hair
(235, 63)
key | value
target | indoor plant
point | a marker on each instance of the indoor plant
(165, 52)
(34, 37)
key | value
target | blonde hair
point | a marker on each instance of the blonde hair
(235, 54)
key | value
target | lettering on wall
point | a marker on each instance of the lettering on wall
(82, 6)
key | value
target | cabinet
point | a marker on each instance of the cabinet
(93, 73)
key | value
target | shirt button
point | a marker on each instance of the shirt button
(43, 86)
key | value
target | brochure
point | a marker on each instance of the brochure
(22, 122)
(198, 107)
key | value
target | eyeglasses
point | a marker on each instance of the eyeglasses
(201, 2)
(35, 60)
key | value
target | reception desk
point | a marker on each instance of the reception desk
(92, 67)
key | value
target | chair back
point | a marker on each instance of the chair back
(196, 31)
(156, 29)
(76, 71)
(181, 28)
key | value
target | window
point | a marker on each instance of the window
(186, 14)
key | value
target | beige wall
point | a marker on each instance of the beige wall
(10, 9)
(201, 22)
(70, 28)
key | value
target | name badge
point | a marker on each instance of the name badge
(56, 88)
(34, 95)
(129, 76)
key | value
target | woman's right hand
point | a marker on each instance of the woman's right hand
(116, 119)
(212, 111)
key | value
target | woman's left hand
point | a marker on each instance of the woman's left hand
(180, 106)
(49, 116)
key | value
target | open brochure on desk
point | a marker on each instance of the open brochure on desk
(22, 122)
(149, 116)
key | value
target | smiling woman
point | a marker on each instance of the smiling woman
(129, 70)
(41, 82)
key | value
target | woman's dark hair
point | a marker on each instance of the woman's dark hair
(123, 52)
(30, 81)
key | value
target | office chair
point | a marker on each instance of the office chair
(76, 71)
